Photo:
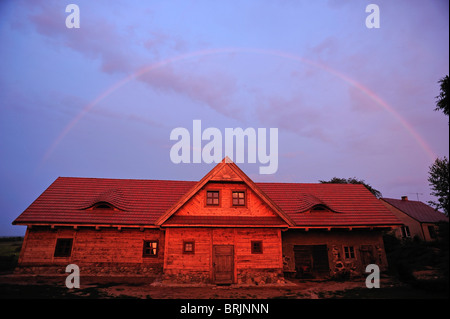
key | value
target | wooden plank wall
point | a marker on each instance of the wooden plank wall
(106, 245)
(179, 262)
(196, 206)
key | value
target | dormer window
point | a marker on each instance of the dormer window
(319, 208)
(312, 204)
(109, 200)
(103, 205)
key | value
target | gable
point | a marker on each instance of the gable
(224, 179)
(250, 209)
(226, 174)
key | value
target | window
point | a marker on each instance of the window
(238, 198)
(257, 247)
(432, 231)
(319, 208)
(150, 248)
(63, 247)
(405, 232)
(102, 205)
(212, 198)
(349, 252)
(188, 247)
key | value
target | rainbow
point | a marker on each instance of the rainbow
(378, 100)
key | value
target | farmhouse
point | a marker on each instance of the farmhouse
(222, 229)
(419, 219)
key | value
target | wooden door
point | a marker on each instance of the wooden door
(320, 257)
(223, 264)
(367, 255)
(311, 260)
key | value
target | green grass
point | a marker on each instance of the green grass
(56, 291)
(13, 291)
(9, 252)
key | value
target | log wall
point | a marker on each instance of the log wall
(107, 250)
(246, 264)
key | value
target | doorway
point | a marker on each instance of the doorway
(223, 264)
(311, 261)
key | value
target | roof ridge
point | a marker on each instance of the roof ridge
(125, 179)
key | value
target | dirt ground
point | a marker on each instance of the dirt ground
(148, 288)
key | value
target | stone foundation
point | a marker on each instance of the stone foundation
(251, 277)
(187, 278)
(97, 269)
(244, 277)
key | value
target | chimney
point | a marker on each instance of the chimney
(405, 198)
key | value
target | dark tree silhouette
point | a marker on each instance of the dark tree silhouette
(442, 98)
(353, 180)
(438, 178)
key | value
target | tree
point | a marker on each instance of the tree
(442, 98)
(438, 178)
(353, 180)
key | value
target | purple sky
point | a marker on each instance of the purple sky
(101, 100)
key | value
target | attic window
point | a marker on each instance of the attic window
(212, 198)
(102, 205)
(319, 208)
(239, 198)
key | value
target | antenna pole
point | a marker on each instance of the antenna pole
(417, 194)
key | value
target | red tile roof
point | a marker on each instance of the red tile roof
(142, 202)
(353, 204)
(417, 210)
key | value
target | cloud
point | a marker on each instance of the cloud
(295, 116)
(215, 89)
(122, 49)
(95, 39)
(108, 113)
(158, 39)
